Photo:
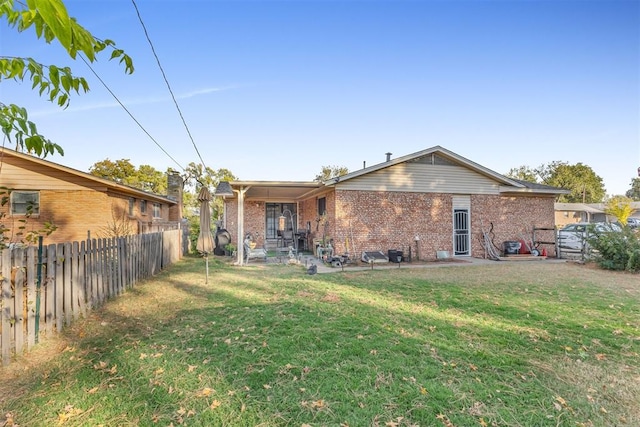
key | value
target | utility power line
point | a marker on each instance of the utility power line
(164, 76)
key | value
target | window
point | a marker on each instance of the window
(157, 211)
(132, 203)
(322, 206)
(25, 203)
(143, 207)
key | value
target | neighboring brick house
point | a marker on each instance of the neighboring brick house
(432, 200)
(79, 204)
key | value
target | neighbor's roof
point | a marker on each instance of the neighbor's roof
(107, 183)
(577, 207)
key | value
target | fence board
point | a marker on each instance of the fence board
(19, 300)
(32, 269)
(6, 300)
(78, 283)
(99, 272)
(51, 289)
(59, 294)
(82, 279)
(67, 303)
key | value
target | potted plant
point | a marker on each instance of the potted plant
(229, 249)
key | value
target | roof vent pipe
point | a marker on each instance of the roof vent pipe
(388, 156)
(364, 166)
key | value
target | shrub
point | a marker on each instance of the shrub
(616, 250)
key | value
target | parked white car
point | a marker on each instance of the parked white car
(633, 222)
(575, 236)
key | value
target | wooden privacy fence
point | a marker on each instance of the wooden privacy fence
(71, 279)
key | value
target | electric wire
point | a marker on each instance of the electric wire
(164, 76)
(129, 112)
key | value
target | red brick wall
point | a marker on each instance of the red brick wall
(512, 218)
(254, 220)
(373, 221)
(231, 218)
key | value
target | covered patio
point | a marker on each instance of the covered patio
(271, 215)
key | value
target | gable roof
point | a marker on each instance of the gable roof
(97, 182)
(298, 190)
(450, 155)
(508, 185)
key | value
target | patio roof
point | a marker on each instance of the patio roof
(269, 190)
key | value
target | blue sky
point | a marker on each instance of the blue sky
(274, 90)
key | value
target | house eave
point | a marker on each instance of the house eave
(506, 190)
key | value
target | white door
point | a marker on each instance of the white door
(461, 226)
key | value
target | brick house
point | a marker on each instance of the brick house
(429, 201)
(79, 204)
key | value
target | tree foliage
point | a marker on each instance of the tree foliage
(329, 172)
(581, 180)
(523, 173)
(634, 192)
(122, 171)
(620, 207)
(50, 21)
(195, 177)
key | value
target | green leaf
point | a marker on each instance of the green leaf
(63, 100)
(54, 76)
(65, 81)
(55, 15)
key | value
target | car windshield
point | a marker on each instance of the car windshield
(577, 228)
(599, 226)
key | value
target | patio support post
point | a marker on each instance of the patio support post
(240, 245)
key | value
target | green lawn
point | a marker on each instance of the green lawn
(506, 344)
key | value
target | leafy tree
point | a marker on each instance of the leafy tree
(50, 20)
(196, 176)
(634, 192)
(149, 179)
(145, 177)
(117, 171)
(620, 207)
(329, 172)
(581, 180)
(523, 173)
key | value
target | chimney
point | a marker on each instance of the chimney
(389, 156)
(174, 192)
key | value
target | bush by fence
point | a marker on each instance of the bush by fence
(42, 291)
